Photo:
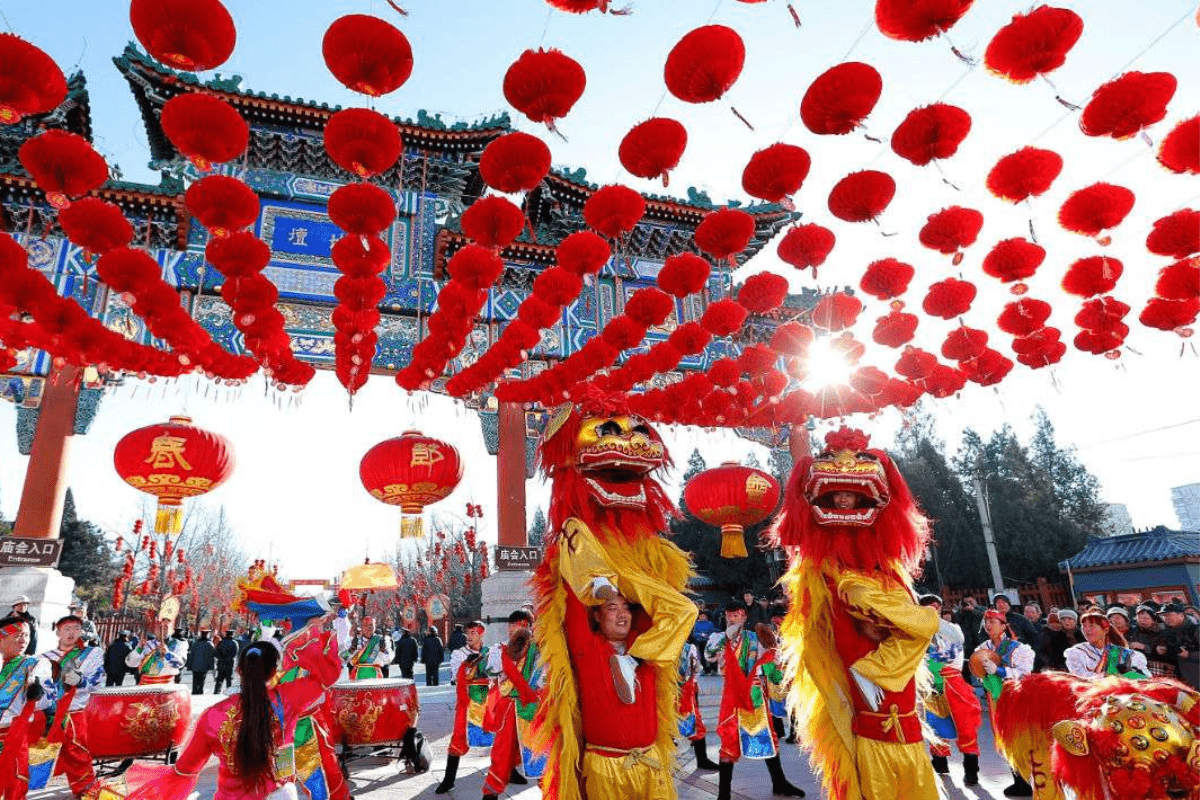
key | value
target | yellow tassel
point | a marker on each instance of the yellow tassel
(733, 544)
(168, 519)
(411, 527)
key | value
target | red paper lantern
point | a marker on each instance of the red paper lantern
(964, 343)
(840, 99)
(806, 246)
(895, 329)
(544, 85)
(1180, 281)
(493, 222)
(1033, 44)
(1095, 208)
(944, 381)
(776, 173)
(724, 317)
(1089, 277)
(411, 471)
(915, 363)
(614, 210)
(222, 204)
(949, 298)
(836, 312)
(191, 35)
(126, 269)
(862, 196)
(915, 22)
(653, 148)
(1100, 313)
(1170, 315)
(95, 225)
(582, 7)
(1125, 105)
(173, 461)
(1179, 150)
(1176, 235)
(64, 165)
(361, 209)
(30, 81)
(951, 229)
(583, 253)
(515, 162)
(887, 278)
(1013, 260)
(362, 141)
(205, 128)
(1026, 173)
(1100, 342)
(763, 292)
(988, 369)
(238, 255)
(724, 233)
(475, 267)
(367, 55)
(684, 274)
(733, 497)
(792, 338)
(1023, 317)
(933, 131)
(704, 64)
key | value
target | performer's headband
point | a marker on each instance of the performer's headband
(12, 629)
(992, 613)
(1095, 616)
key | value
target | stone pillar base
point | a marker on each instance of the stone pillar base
(503, 593)
(49, 593)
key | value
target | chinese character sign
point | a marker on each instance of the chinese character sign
(411, 471)
(509, 557)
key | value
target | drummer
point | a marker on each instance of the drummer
(1014, 661)
(23, 679)
(944, 657)
(368, 652)
(78, 669)
(468, 666)
(155, 660)
(518, 678)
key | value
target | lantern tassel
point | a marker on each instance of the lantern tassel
(738, 114)
(794, 13)
(168, 519)
(733, 544)
(411, 527)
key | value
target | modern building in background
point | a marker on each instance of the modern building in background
(1116, 520)
(1187, 506)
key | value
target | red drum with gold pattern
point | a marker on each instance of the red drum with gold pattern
(131, 721)
(375, 711)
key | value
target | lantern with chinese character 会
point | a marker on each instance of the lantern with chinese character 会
(733, 497)
(411, 471)
(173, 461)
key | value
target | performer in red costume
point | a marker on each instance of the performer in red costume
(691, 721)
(952, 708)
(855, 637)
(468, 665)
(606, 515)
(26, 688)
(517, 679)
(78, 669)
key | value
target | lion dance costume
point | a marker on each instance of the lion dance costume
(606, 515)
(855, 637)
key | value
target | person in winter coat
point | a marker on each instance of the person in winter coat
(432, 653)
(457, 639)
(227, 654)
(114, 660)
(203, 657)
(406, 654)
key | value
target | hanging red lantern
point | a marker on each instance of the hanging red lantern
(931, 132)
(238, 254)
(1089, 277)
(724, 233)
(191, 35)
(1040, 348)
(544, 85)
(1033, 44)
(949, 298)
(840, 99)
(1170, 315)
(1179, 150)
(584, 6)
(411, 471)
(493, 221)
(1176, 235)
(64, 165)
(205, 128)
(887, 278)
(683, 274)
(1096, 208)
(895, 329)
(367, 55)
(836, 312)
(1100, 313)
(95, 225)
(806, 246)
(614, 210)
(1180, 281)
(361, 209)
(988, 369)
(362, 141)
(776, 173)
(475, 267)
(763, 292)
(1124, 106)
(724, 317)
(950, 230)
(653, 148)
(514, 162)
(733, 497)
(222, 204)
(127, 269)
(704, 64)
(1026, 173)
(30, 81)
(964, 343)
(1023, 317)
(915, 22)
(1014, 260)
(583, 253)
(792, 338)
(862, 196)
(944, 381)
(173, 461)
(359, 256)
(915, 363)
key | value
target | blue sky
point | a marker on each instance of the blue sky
(296, 490)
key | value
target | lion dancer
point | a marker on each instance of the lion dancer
(691, 721)
(468, 665)
(516, 671)
(26, 687)
(855, 637)
(961, 707)
(1009, 660)
(77, 670)
(605, 547)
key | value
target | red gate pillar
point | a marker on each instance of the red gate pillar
(510, 475)
(41, 509)
(798, 443)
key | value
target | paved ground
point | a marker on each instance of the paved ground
(382, 778)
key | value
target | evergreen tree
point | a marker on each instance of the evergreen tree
(86, 556)
(752, 461)
(1076, 489)
(537, 531)
(695, 465)
(703, 542)
(780, 465)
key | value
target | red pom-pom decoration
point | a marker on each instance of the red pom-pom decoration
(239, 254)
(944, 381)
(515, 162)
(724, 317)
(1125, 105)
(1026, 173)
(557, 286)
(1013, 260)
(1033, 44)
(989, 369)
(763, 292)
(362, 141)
(356, 260)
(1176, 235)
(915, 363)
(1179, 150)
(653, 148)
(951, 229)
(775, 173)
(886, 278)
(895, 329)
(910, 21)
(949, 298)
(1169, 315)
(127, 269)
(649, 307)
(1089, 277)
(724, 233)
(493, 221)
(191, 35)
(1100, 313)
(806, 246)
(205, 128)
(30, 81)
(704, 64)
(1023, 317)
(362, 209)
(544, 85)
(963, 343)
(683, 274)
(367, 55)
(840, 99)
(583, 253)
(862, 196)
(931, 132)
(63, 164)
(222, 204)
(614, 210)
(475, 267)
(1098, 342)
(1095, 208)
(792, 338)
(1180, 281)
(95, 225)
(836, 312)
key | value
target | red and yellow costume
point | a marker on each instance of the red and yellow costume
(606, 515)
(855, 637)
(952, 698)
(517, 684)
(471, 690)
(74, 759)
(691, 721)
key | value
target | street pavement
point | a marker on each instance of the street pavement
(383, 778)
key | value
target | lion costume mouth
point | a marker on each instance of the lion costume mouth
(615, 455)
(846, 472)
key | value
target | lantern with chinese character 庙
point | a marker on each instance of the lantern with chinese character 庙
(411, 471)
(733, 497)
(173, 461)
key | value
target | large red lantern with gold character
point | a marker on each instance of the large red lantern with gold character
(411, 471)
(173, 461)
(733, 497)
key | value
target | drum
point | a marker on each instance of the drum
(131, 721)
(977, 660)
(376, 711)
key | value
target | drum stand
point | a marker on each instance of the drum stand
(412, 753)
(112, 767)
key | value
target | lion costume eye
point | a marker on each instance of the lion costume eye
(608, 428)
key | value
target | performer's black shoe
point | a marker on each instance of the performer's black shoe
(702, 759)
(724, 780)
(970, 769)
(451, 773)
(1020, 788)
(490, 797)
(791, 739)
(940, 765)
(517, 778)
(780, 785)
